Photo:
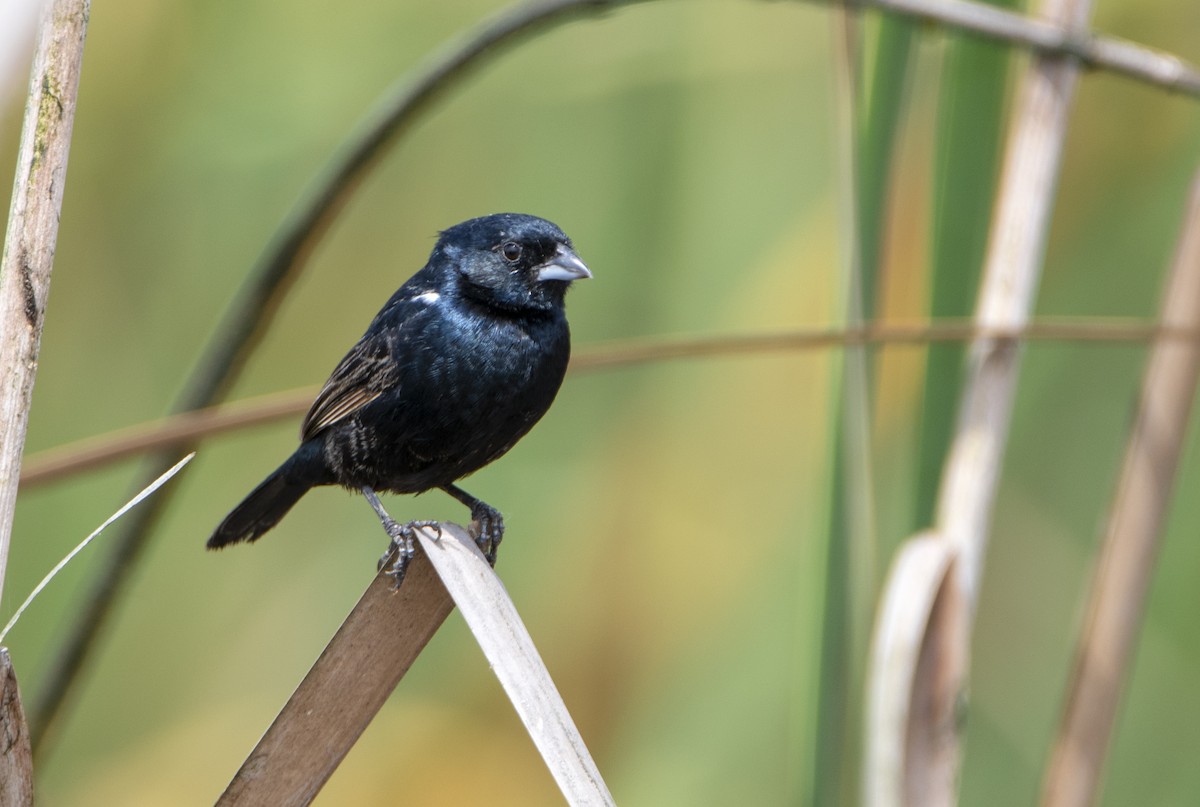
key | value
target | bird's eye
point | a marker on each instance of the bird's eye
(511, 251)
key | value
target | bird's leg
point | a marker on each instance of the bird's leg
(490, 523)
(403, 538)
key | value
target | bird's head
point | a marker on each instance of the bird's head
(510, 261)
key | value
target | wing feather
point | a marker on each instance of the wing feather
(373, 365)
(363, 375)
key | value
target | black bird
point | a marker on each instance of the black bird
(462, 361)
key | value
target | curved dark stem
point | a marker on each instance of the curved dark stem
(256, 302)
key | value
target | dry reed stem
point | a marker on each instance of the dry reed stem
(1051, 35)
(346, 687)
(33, 231)
(1011, 272)
(931, 738)
(1012, 269)
(1132, 538)
(372, 651)
(94, 452)
(916, 664)
(16, 756)
(497, 627)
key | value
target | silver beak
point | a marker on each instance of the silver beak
(565, 265)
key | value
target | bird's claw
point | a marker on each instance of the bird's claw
(487, 528)
(404, 546)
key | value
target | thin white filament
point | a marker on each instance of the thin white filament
(153, 486)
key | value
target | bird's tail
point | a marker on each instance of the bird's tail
(260, 511)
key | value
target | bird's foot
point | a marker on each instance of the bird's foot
(404, 545)
(487, 525)
(487, 528)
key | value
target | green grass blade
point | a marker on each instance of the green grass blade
(850, 575)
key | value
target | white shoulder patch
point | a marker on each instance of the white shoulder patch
(427, 297)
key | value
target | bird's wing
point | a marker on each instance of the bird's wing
(363, 375)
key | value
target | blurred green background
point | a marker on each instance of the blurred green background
(666, 523)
